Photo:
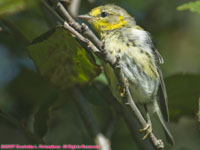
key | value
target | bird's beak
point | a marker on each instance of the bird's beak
(85, 17)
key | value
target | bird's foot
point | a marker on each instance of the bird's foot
(121, 90)
(147, 130)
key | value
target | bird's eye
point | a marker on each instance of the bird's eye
(104, 14)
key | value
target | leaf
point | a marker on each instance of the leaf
(11, 6)
(183, 92)
(60, 58)
(192, 6)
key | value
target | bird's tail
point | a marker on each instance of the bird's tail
(158, 124)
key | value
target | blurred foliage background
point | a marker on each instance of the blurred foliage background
(36, 109)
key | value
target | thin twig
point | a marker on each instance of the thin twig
(81, 28)
(66, 16)
(52, 11)
(103, 142)
(81, 38)
(89, 121)
(96, 46)
(74, 7)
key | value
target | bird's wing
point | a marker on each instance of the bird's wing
(162, 90)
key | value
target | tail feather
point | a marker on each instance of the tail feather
(158, 124)
(168, 135)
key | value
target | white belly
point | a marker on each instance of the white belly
(136, 62)
(143, 88)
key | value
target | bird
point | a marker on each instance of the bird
(140, 63)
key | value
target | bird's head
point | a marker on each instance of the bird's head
(108, 17)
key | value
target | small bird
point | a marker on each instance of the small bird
(123, 39)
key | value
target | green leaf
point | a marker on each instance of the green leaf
(183, 93)
(11, 6)
(60, 58)
(192, 6)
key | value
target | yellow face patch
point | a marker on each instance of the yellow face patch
(121, 22)
(101, 25)
(95, 12)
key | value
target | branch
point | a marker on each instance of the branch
(74, 7)
(69, 19)
(89, 121)
(96, 46)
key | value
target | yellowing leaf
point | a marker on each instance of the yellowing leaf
(60, 58)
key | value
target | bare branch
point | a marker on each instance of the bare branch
(74, 7)
(81, 38)
(103, 142)
(81, 28)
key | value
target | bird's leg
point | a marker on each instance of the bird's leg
(148, 128)
(120, 89)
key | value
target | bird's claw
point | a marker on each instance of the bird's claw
(121, 90)
(147, 130)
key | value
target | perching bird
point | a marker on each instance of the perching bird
(123, 39)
